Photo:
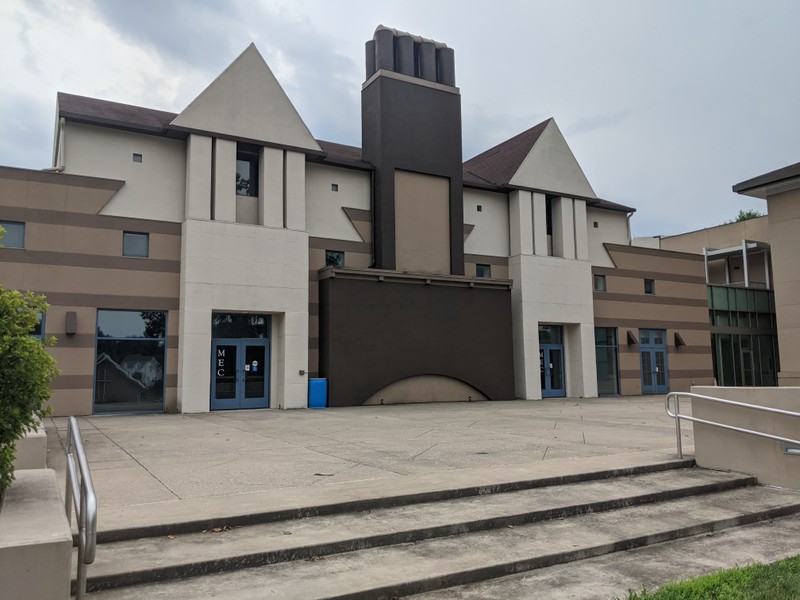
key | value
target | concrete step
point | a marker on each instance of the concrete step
(612, 575)
(186, 555)
(422, 566)
(198, 514)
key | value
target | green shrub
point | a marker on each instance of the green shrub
(26, 370)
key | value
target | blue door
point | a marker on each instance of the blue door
(653, 351)
(551, 369)
(239, 373)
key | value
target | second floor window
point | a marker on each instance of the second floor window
(135, 244)
(334, 258)
(14, 236)
(246, 170)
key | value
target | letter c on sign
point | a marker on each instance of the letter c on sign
(220, 372)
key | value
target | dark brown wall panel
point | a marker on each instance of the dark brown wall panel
(373, 333)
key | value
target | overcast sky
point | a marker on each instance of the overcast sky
(665, 104)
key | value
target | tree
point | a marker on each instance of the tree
(26, 370)
(746, 215)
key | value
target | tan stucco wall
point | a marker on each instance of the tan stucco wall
(422, 223)
(721, 236)
(243, 268)
(678, 306)
(717, 448)
(612, 227)
(784, 225)
(426, 388)
(154, 189)
(324, 215)
(490, 234)
(552, 290)
(73, 256)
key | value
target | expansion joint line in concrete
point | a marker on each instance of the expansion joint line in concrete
(133, 458)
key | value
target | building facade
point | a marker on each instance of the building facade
(219, 257)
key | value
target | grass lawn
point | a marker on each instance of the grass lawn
(776, 581)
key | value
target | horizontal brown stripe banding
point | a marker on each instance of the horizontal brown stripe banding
(97, 261)
(73, 382)
(651, 299)
(109, 301)
(358, 214)
(342, 245)
(88, 340)
(653, 252)
(86, 382)
(676, 374)
(655, 275)
(83, 181)
(486, 260)
(649, 324)
(58, 217)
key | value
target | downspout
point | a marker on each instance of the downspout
(59, 149)
(628, 223)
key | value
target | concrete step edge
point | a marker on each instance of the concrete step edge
(519, 566)
(372, 501)
(231, 562)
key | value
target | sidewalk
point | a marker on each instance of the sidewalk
(142, 459)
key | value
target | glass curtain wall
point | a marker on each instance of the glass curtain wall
(130, 361)
(744, 336)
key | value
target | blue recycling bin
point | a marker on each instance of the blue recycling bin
(317, 393)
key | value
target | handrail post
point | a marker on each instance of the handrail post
(678, 425)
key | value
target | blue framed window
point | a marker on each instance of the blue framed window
(14, 234)
(130, 373)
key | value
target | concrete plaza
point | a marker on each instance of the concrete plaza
(169, 458)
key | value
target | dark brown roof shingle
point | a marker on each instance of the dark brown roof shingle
(498, 165)
(115, 114)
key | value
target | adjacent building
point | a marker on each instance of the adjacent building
(220, 257)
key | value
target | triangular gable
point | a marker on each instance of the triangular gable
(498, 164)
(247, 102)
(551, 166)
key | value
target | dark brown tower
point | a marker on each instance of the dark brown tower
(411, 132)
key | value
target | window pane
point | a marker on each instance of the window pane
(14, 236)
(599, 283)
(483, 271)
(238, 325)
(334, 258)
(135, 244)
(131, 324)
(129, 375)
(246, 173)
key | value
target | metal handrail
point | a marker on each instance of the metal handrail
(678, 416)
(81, 496)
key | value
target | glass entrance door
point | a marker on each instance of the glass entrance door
(240, 374)
(655, 377)
(551, 368)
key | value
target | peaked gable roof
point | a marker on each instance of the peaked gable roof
(246, 101)
(499, 164)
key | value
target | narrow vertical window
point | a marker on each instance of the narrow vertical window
(246, 170)
(649, 286)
